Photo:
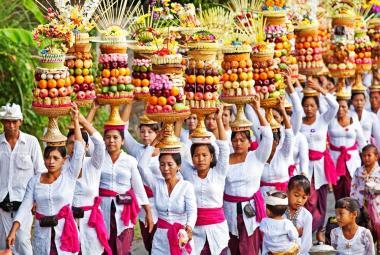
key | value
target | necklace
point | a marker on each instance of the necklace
(295, 216)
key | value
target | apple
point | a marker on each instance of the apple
(113, 80)
(198, 96)
(150, 108)
(264, 89)
(87, 63)
(190, 95)
(121, 87)
(129, 88)
(179, 107)
(105, 90)
(62, 91)
(36, 92)
(121, 80)
(91, 86)
(81, 95)
(271, 88)
(158, 108)
(78, 71)
(167, 108)
(258, 88)
(84, 86)
(70, 63)
(113, 88)
(70, 90)
(88, 94)
(274, 94)
(207, 96)
(215, 95)
(227, 84)
(53, 92)
(171, 100)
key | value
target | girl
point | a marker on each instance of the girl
(122, 192)
(367, 174)
(55, 231)
(191, 123)
(148, 132)
(298, 193)
(280, 235)
(349, 238)
(175, 201)
(345, 134)
(242, 188)
(208, 176)
(366, 118)
(314, 127)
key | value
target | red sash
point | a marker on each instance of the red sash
(343, 157)
(209, 216)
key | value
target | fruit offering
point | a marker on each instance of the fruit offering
(374, 34)
(202, 84)
(81, 71)
(141, 72)
(114, 79)
(278, 35)
(237, 72)
(164, 95)
(309, 51)
(274, 5)
(363, 49)
(52, 87)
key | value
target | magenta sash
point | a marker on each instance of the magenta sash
(209, 216)
(330, 171)
(280, 186)
(130, 211)
(172, 235)
(259, 203)
(148, 191)
(343, 157)
(96, 221)
(69, 236)
(291, 170)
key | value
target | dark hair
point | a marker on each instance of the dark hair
(228, 109)
(277, 210)
(299, 181)
(84, 135)
(348, 203)
(354, 94)
(246, 133)
(121, 132)
(176, 157)
(370, 147)
(49, 149)
(277, 136)
(345, 100)
(211, 148)
(316, 100)
(155, 127)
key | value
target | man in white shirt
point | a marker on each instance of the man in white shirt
(374, 98)
(21, 158)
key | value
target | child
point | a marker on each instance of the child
(369, 202)
(349, 238)
(280, 235)
(298, 193)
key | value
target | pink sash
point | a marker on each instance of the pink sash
(148, 191)
(330, 171)
(69, 236)
(280, 186)
(96, 221)
(172, 235)
(291, 170)
(209, 216)
(130, 211)
(343, 157)
(259, 203)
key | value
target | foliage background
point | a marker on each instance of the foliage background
(17, 48)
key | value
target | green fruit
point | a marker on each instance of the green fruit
(71, 71)
(143, 69)
(113, 88)
(149, 68)
(277, 77)
(100, 66)
(129, 88)
(105, 90)
(135, 68)
(283, 66)
(179, 107)
(78, 71)
(121, 87)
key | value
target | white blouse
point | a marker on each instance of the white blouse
(277, 169)
(370, 126)
(316, 135)
(304, 221)
(178, 207)
(209, 193)
(279, 235)
(120, 177)
(361, 243)
(347, 136)
(49, 199)
(243, 180)
(301, 154)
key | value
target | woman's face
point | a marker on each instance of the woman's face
(202, 158)
(343, 108)
(168, 167)
(240, 143)
(310, 108)
(210, 122)
(192, 122)
(358, 102)
(54, 161)
(147, 135)
(226, 117)
(277, 116)
(113, 141)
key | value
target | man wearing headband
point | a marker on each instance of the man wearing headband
(21, 158)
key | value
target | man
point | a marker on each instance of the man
(21, 158)
(374, 98)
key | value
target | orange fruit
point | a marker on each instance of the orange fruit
(233, 77)
(256, 76)
(249, 76)
(175, 91)
(191, 79)
(200, 79)
(263, 76)
(200, 64)
(106, 73)
(145, 83)
(209, 80)
(225, 77)
(42, 84)
(279, 46)
(114, 72)
(72, 79)
(153, 100)
(216, 80)
(52, 83)
(161, 101)
(122, 71)
(79, 79)
(243, 76)
(137, 82)
(61, 83)
(242, 64)
(306, 45)
(128, 72)
(270, 74)
(88, 79)
(68, 81)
